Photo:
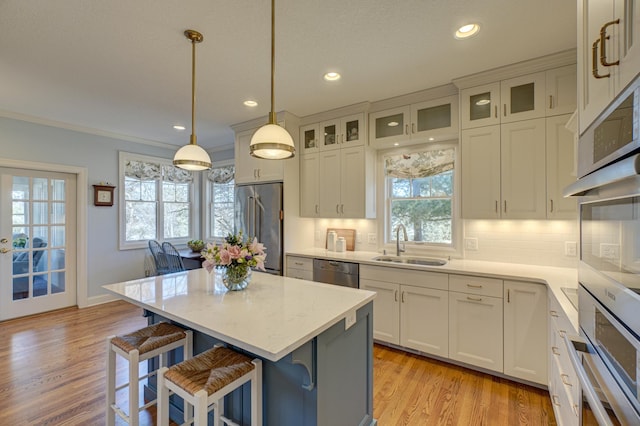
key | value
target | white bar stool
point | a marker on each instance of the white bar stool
(204, 380)
(135, 347)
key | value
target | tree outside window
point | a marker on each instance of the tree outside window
(420, 195)
(221, 201)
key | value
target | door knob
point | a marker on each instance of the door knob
(4, 241)
(4, 250)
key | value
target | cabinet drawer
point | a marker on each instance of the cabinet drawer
(300, 274)
(425, 279)
(303, 263)
(476, 285)
(559, 318)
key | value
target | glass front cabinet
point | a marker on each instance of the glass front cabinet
(342, 132)
(520, 98)
(429, 121)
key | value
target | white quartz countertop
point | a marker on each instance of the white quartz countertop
(272, 317)
(555, 278)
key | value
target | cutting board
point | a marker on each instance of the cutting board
(348, 234)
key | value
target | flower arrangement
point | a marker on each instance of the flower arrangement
(235, 253)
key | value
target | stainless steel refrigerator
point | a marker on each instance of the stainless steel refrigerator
(258, 213)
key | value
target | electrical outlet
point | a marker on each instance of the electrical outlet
(609, 251)
(570, 248)
(372, 238)
(359, 237)
(349, 320)
(471, 244)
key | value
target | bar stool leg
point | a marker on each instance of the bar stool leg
(111, 383)
(256, 394)
(163, 399)
(134, 384)
(200, 409)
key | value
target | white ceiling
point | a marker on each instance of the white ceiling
(124, 66)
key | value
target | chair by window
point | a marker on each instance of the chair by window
(173, 258)
(159, 258)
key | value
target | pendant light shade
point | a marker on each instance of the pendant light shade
(192, 157)
(272, 141)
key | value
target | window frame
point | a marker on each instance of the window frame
(193, 198)
(207, 199)
(384, 204)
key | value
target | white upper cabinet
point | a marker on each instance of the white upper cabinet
(515, 99)
(561, 90)
(608, 53)
(429, 121)
(309, 138)
(561, 168)
(250, 169)
(310, 185)
(342, 132)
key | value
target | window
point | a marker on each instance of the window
(221, 186)
(420, 195)
(157, 201)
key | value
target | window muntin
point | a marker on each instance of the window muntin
(420, 195)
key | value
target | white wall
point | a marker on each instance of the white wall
(20, 140)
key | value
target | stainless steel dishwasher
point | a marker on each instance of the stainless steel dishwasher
(334, 272)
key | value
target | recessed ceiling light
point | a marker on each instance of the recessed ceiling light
(396, 144)
(332, 76)
(179, 127)
(483, 102)
(250, 103)
(392, 123)
(432, 139)
(467, 31)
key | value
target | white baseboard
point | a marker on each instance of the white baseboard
(99, 300)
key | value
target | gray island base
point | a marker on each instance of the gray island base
(315, 341)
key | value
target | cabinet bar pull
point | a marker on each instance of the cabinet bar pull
(603, 45)
(505, 109)
(338, 208)
(594, 61)
(413, 127)
(342, 208)
(474, 285)
(317, 208)
(550, 101)
(508, 295)
(474, 299)
(496, 206)
(505, 206)
(565, 379)
(406, 129)
(298, 263)
(562, 333)
(495, 109)
(555, 350)
(554, 399)
(403, 297)
(395, 295)
(553, 314)
(551, 206)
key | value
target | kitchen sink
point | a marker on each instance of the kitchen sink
(424, 261)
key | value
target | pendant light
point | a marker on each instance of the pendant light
(192, 157)
(271, 141)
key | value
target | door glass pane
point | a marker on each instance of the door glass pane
(57, 282)
(58, 236)
(437, 117)
(40, 188)
(40, 212)
(57, 190)
(392, 125)
(21, 287)
(310, 139)
(58, 213)
(480, 106)
(522, 98)
(330, 135)
(57, 259)
(20, 190)
(20, 213)
(40, 285)
(353, 130)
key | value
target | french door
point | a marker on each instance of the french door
(37, 241)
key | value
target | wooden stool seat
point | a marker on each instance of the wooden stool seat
(141, 345)
(205, 380)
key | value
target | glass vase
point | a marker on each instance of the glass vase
(236, 278)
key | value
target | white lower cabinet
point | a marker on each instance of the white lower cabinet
(525, 331)
(300, 267)
(414, 316)
(475, 330)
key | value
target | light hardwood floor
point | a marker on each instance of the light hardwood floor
(52, 372)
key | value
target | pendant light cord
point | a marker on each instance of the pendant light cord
(193, 138)
(272, 114)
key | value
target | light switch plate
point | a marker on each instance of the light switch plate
(570, 248)
(372, 238)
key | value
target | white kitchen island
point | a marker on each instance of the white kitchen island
(315, 340)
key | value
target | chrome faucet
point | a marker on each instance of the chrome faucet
(404, 231)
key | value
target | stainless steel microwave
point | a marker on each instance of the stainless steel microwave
(614, 135)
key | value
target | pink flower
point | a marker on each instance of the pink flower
(209, 264)
(256, 248)
(225, 257)
(234, 252)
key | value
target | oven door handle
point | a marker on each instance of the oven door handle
(587, 387)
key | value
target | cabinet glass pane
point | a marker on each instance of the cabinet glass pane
(353, 130)
(480, 106)
(392, 125)
(330, 135)
(437, 117)
(522, 98)
(309, 139)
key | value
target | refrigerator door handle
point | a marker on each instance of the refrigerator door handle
(256, 228)
(250, 204)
